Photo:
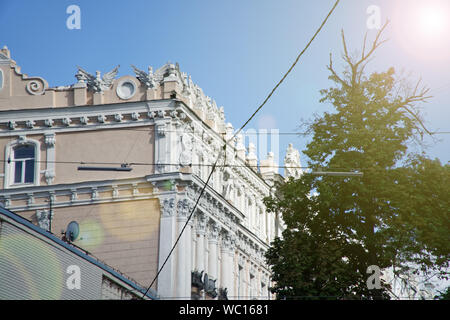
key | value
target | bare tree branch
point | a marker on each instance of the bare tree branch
(339, 79)
(354, 65)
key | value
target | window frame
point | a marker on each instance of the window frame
(10, 168)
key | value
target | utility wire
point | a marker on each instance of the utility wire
(201, 165)
(177, 164)
(271, 131)
(237, 132)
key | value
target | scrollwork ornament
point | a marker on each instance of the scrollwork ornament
(36, 87)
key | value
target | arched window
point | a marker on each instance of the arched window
(23, 158)
(21, 165)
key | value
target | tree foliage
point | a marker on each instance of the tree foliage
(395, 214)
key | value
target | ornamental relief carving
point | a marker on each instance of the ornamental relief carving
(200, 223)
(167, 207)
(43, 218)
(184, 208)
(50, 139)
(186, 150)
(226, 241)
(213, 231)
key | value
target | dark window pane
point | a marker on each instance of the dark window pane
(18, 172)
(29, 171)
(24, 152)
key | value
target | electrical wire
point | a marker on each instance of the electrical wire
(271, 131)
(203, 165)
(177, 164)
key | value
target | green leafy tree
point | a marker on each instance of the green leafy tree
(339, 226)
(444, 295)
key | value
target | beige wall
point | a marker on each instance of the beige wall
(124, 235)
(103, 146)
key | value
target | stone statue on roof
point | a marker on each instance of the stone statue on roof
(292, 163)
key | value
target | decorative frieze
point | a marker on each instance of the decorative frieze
(48, 122)
(101, 118)
(73, 195)
(66, 121)
(12, 125)
(135, 116)
(118, 117)
(84, 120)
(30, 124)
(94, 194)
(30, 200)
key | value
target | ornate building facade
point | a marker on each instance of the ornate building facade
(160, 134)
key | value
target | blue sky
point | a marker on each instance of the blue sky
(237, 50)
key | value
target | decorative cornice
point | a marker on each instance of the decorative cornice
(70, 194)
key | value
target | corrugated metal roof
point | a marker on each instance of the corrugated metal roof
(77, 251)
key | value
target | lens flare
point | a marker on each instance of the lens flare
(131, 221)
(91, 235)
(422, 28)
(32, 266)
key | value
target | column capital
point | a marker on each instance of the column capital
(167, 206)
(200, 225)
(184, 208)
(226, 241)
(213, 231)
(50, 139)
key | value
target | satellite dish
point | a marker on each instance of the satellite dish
(72, 231)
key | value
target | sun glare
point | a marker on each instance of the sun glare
(423, 28)
(432, 21)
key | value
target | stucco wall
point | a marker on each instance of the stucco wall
(103, 146)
